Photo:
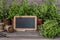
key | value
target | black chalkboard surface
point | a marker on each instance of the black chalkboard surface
(25, 22)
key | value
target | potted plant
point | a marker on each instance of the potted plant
(3, 10)
(14, 10)
(48, 10)
(49, 29)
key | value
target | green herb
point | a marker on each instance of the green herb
(3, 9)
(49, 29)
(13, 10)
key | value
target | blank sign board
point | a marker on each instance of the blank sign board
(25, 23)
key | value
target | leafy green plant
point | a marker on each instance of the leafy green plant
(3, 10)
(52, 10)
(27, 9)
(17, 10)
(49, 29)
(13, 10)
(59, 30)
(59, 26)
(31, 10)
(1, 7)
(42, 10)
(48, 10)
(22, 7)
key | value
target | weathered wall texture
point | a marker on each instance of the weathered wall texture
(31, 1)
(58, 5)
(20, 1)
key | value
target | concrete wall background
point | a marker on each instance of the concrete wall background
(58, 5)
(31, 1)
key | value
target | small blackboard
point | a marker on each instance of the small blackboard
(25, 23)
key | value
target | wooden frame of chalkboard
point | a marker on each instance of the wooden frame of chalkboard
(25, 18)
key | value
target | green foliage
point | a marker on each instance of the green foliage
(31, 10)
(49, 29)
(14, 10)
(1, 7)
(42, 10)
(27, 9)
(59, 26)
(48, 10)
(3, 10)
(17, 10)
(59, 30)
(52, 11)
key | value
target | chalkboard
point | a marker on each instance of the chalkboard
(25, 22)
